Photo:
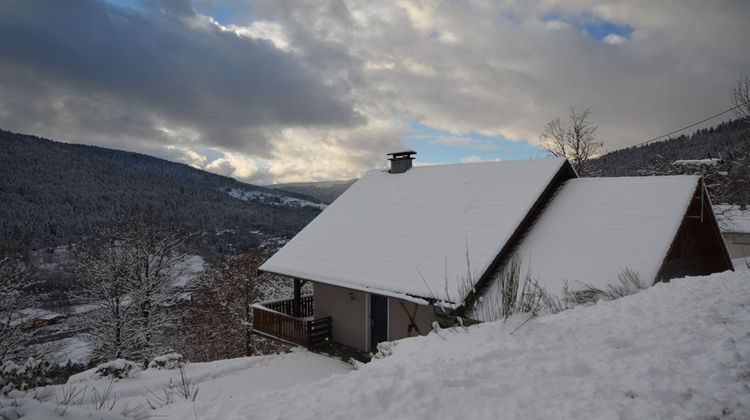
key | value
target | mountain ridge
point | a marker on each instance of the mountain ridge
(56, 193)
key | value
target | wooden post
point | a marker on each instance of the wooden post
(297, 301)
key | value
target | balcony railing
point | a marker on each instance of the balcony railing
(275, 319)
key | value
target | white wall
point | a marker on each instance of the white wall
(351, 319)
(348, 308)
(398, 319)
(738, 244)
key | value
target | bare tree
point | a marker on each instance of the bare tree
(16, 294)
(741, 96)
(155, 257)
(128, 273)
(574, 140)
(104, 284)
(220, 317)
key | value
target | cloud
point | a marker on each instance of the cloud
(269, 31)
(311, 89)
(188, 157)
(234, 165)
(509, 68)
(327, 154)
(475, 159)
(94, 69)
(614, 39)
(465, 142)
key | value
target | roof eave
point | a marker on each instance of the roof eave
(422, 300)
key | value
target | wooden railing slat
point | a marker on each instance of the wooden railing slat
(274, 319)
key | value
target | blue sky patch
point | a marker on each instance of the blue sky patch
(225, 14)
(434, 145)
(595, 27)
(222, 13)
(127, 4)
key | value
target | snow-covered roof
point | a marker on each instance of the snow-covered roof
(595, 228)
(408, 234)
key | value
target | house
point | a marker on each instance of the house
(400, 246)
(734, 222)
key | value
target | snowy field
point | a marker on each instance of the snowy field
(678, 350)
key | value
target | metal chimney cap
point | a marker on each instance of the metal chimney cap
(401, 161)
(401, 155)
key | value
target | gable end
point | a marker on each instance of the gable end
(698, 248)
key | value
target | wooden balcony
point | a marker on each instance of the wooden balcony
(276, 319)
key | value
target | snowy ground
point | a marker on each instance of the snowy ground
(189, 269)
(732, 218)
(678, 350)
(216, 383)
(72, 349)
(273, 199)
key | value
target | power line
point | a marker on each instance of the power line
(691, 125)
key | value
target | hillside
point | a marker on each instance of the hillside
(720, 153)
(675, 350)
(325, 191)
(56, 193)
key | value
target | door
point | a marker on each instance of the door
(378, 321)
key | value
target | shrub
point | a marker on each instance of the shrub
(31, 374)
(516, 292)
(167, 361)
(116, 369)
(630, 283)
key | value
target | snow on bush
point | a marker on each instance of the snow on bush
(167, 361)
(31, 374)
(114, 369)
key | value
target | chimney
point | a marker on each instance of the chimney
(401, 161)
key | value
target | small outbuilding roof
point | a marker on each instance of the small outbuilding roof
(596, 228)
(408, 235)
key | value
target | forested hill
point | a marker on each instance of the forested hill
(55, 193)
(720, 153)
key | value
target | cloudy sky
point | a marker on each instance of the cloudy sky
(279, 91)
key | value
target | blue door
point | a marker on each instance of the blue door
(378, 321)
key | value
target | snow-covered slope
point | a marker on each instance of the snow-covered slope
(268, 198)
(678, 350)
(325, 191)
(143, 394)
